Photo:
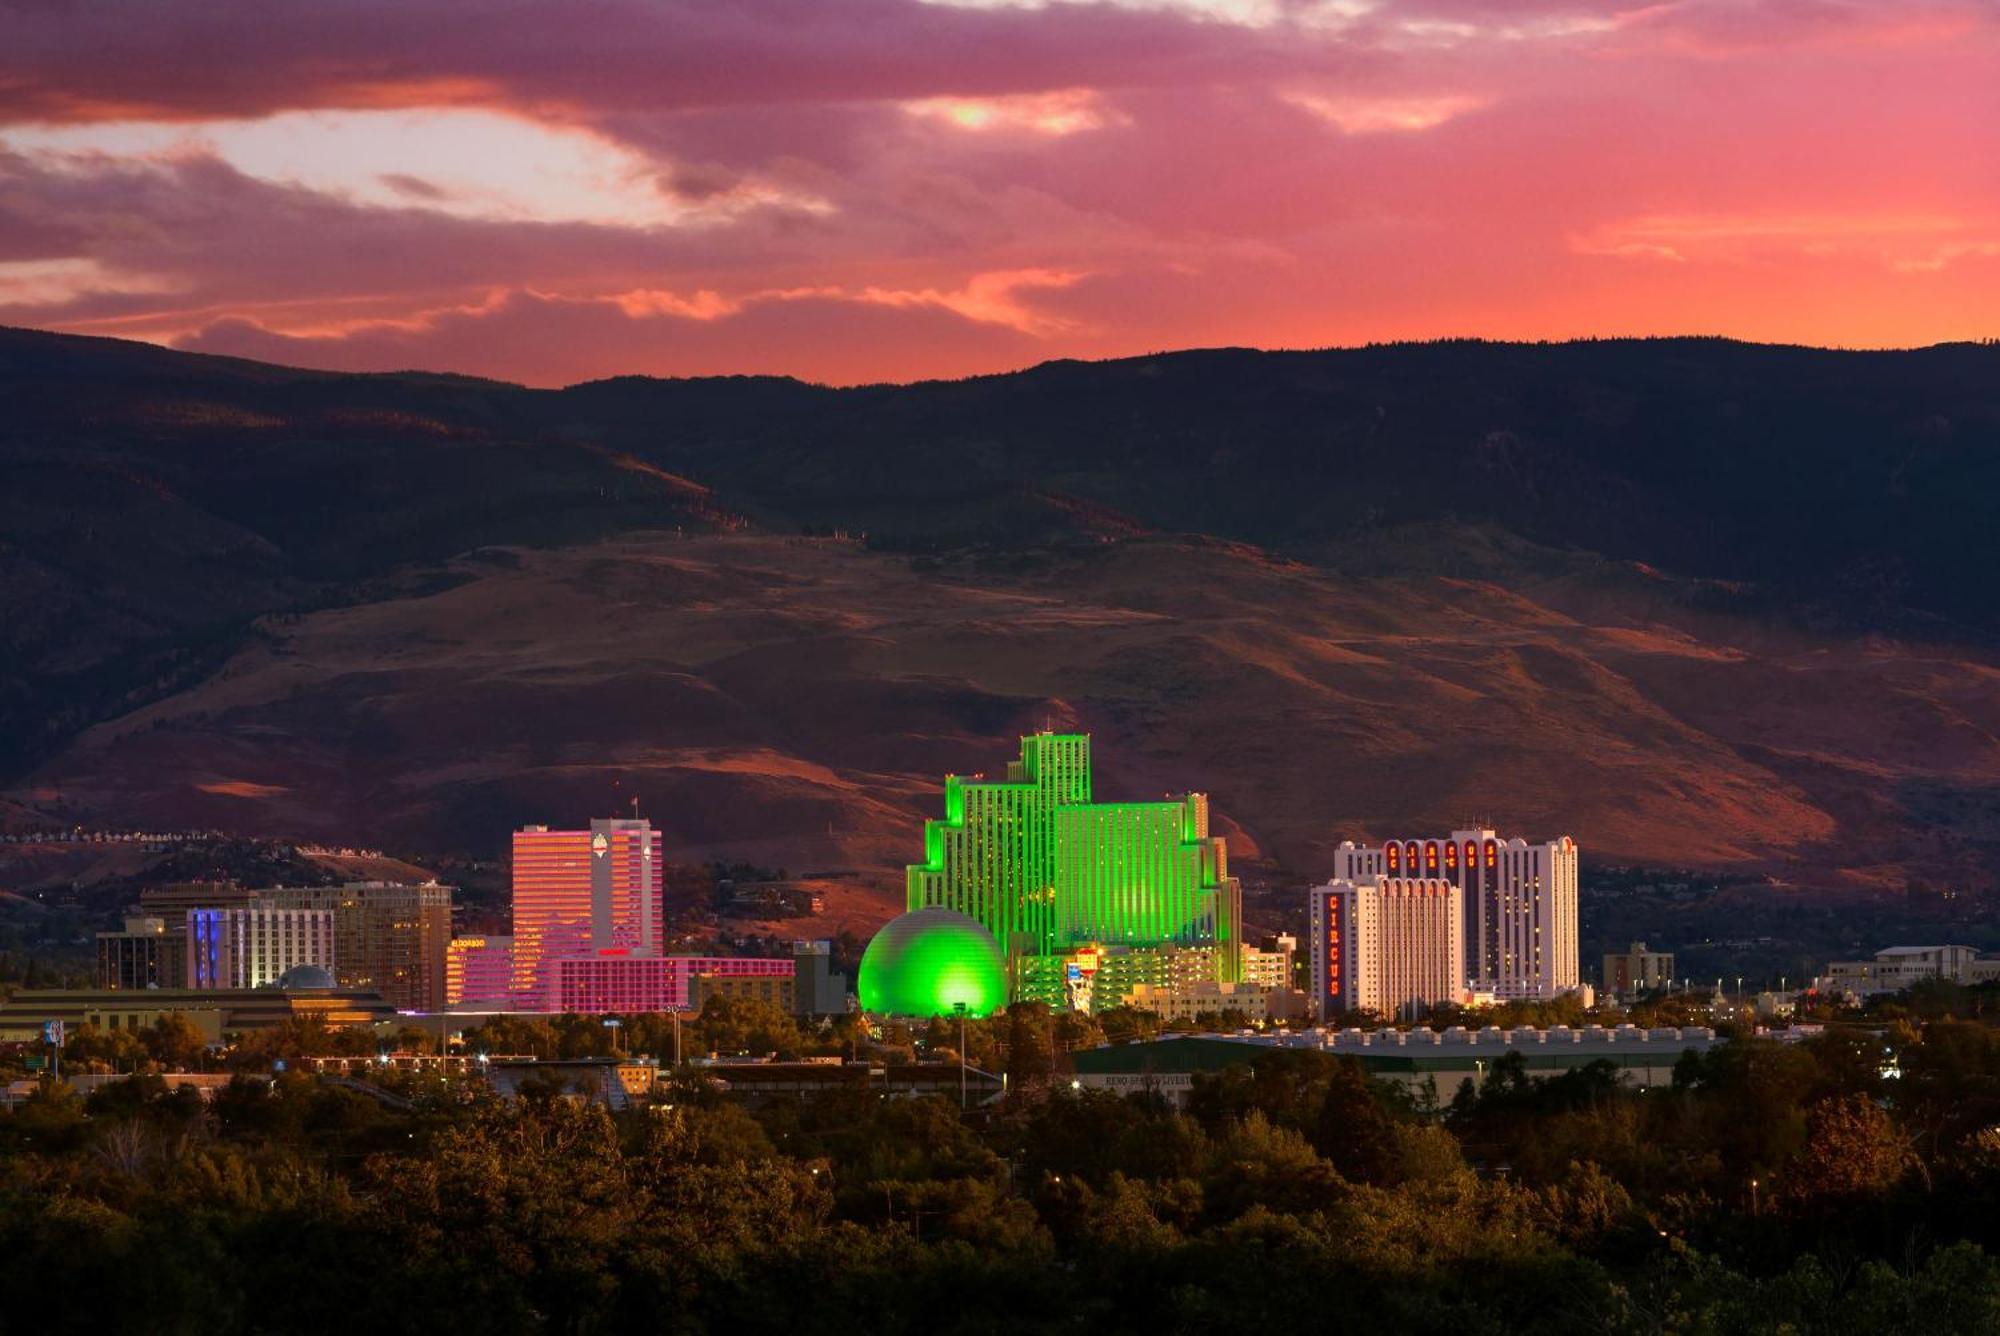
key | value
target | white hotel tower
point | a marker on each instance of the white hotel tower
(1391, 945)
(1519, 903)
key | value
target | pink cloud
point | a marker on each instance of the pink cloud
(111, 59)
(863, 189)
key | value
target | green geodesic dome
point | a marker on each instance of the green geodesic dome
(930, 960)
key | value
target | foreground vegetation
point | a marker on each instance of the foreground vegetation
(1772, 1189)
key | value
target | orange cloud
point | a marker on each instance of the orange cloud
(1064, 112)
(242, 788)
(1907, 243)
(989, 299)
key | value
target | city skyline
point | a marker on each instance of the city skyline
(515, 516)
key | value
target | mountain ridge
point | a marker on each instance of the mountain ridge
(1690, 534)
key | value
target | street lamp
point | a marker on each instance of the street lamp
(613, 1024)
(961, 1009)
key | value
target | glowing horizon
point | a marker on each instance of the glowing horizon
(891, 190)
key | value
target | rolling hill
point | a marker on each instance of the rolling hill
(1695, 602)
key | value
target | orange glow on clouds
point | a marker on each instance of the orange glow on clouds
(1067, 111)
(891, 189)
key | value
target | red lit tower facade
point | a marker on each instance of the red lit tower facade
(1519, 902)
(594, 892)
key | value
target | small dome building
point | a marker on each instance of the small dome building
(305, 976)
(928, 962)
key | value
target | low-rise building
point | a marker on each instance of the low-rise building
(1775, 1006)
(217, 1012)
(1636, 971)
(1185, 1003)
(762, 981)
(479, 972)
(1101, 976)
(1899, 967)
(1270, 962)
(614, 983)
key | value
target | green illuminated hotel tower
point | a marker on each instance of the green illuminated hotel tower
(993, 857)
(1048, 872)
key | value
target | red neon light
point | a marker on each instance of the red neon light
(1333, 983)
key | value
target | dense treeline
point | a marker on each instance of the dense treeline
(1847, 1184)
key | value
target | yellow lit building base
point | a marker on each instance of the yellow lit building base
(1097, 978)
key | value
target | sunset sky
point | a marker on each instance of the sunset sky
(856, 190)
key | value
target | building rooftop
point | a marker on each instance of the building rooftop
(1556, 1047)
(1920, 950)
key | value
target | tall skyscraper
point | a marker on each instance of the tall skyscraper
(993, 856)
(1391, 945)
(585, 892)
(1519, 902)
(387, 936)
(1048, 872)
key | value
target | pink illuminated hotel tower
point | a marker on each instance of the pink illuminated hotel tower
(589, 931)
(585, 892)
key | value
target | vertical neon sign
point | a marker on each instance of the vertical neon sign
(1335, 997)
